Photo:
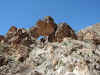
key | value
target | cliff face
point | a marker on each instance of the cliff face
(60, 52)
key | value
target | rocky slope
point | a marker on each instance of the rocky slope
(60, 52)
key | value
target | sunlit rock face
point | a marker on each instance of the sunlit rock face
(90, 33)
(46, 26)
(59, 52)
(64, 30)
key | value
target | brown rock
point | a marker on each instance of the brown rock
(64, 30)
(21, 37)
(22, 33)
(48, 19)
(46, 26)
(12, 29)
(23, 53)
(2, 38)
(34, 32)
(52, 37)
(11, 33)
(2, 60)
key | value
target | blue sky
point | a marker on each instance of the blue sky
(24, 13)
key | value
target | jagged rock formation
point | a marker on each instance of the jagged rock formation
(60, 52)
(63, 30)
(55, 33)
(46, 27)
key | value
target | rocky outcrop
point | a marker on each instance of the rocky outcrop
(90, 34)
(33, 31)
(43, 27)
(64, 30)
(54, 33)
(46, 26)
(11, 32)
(17, 42)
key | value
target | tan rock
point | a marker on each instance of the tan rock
(89, 36)
(90, 33)
(81, 68)
(80, 35)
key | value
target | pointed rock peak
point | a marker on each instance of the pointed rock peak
(13, 28)
(48, 19)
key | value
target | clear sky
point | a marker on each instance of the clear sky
(25, 13)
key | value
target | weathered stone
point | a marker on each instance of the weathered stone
(64, 30)
(33, 31)
(11, 32)
(46, 26)
(97, 41)
(23, 53)
(52, 37)
(89, 34)
(70, 57)
(80, 35)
